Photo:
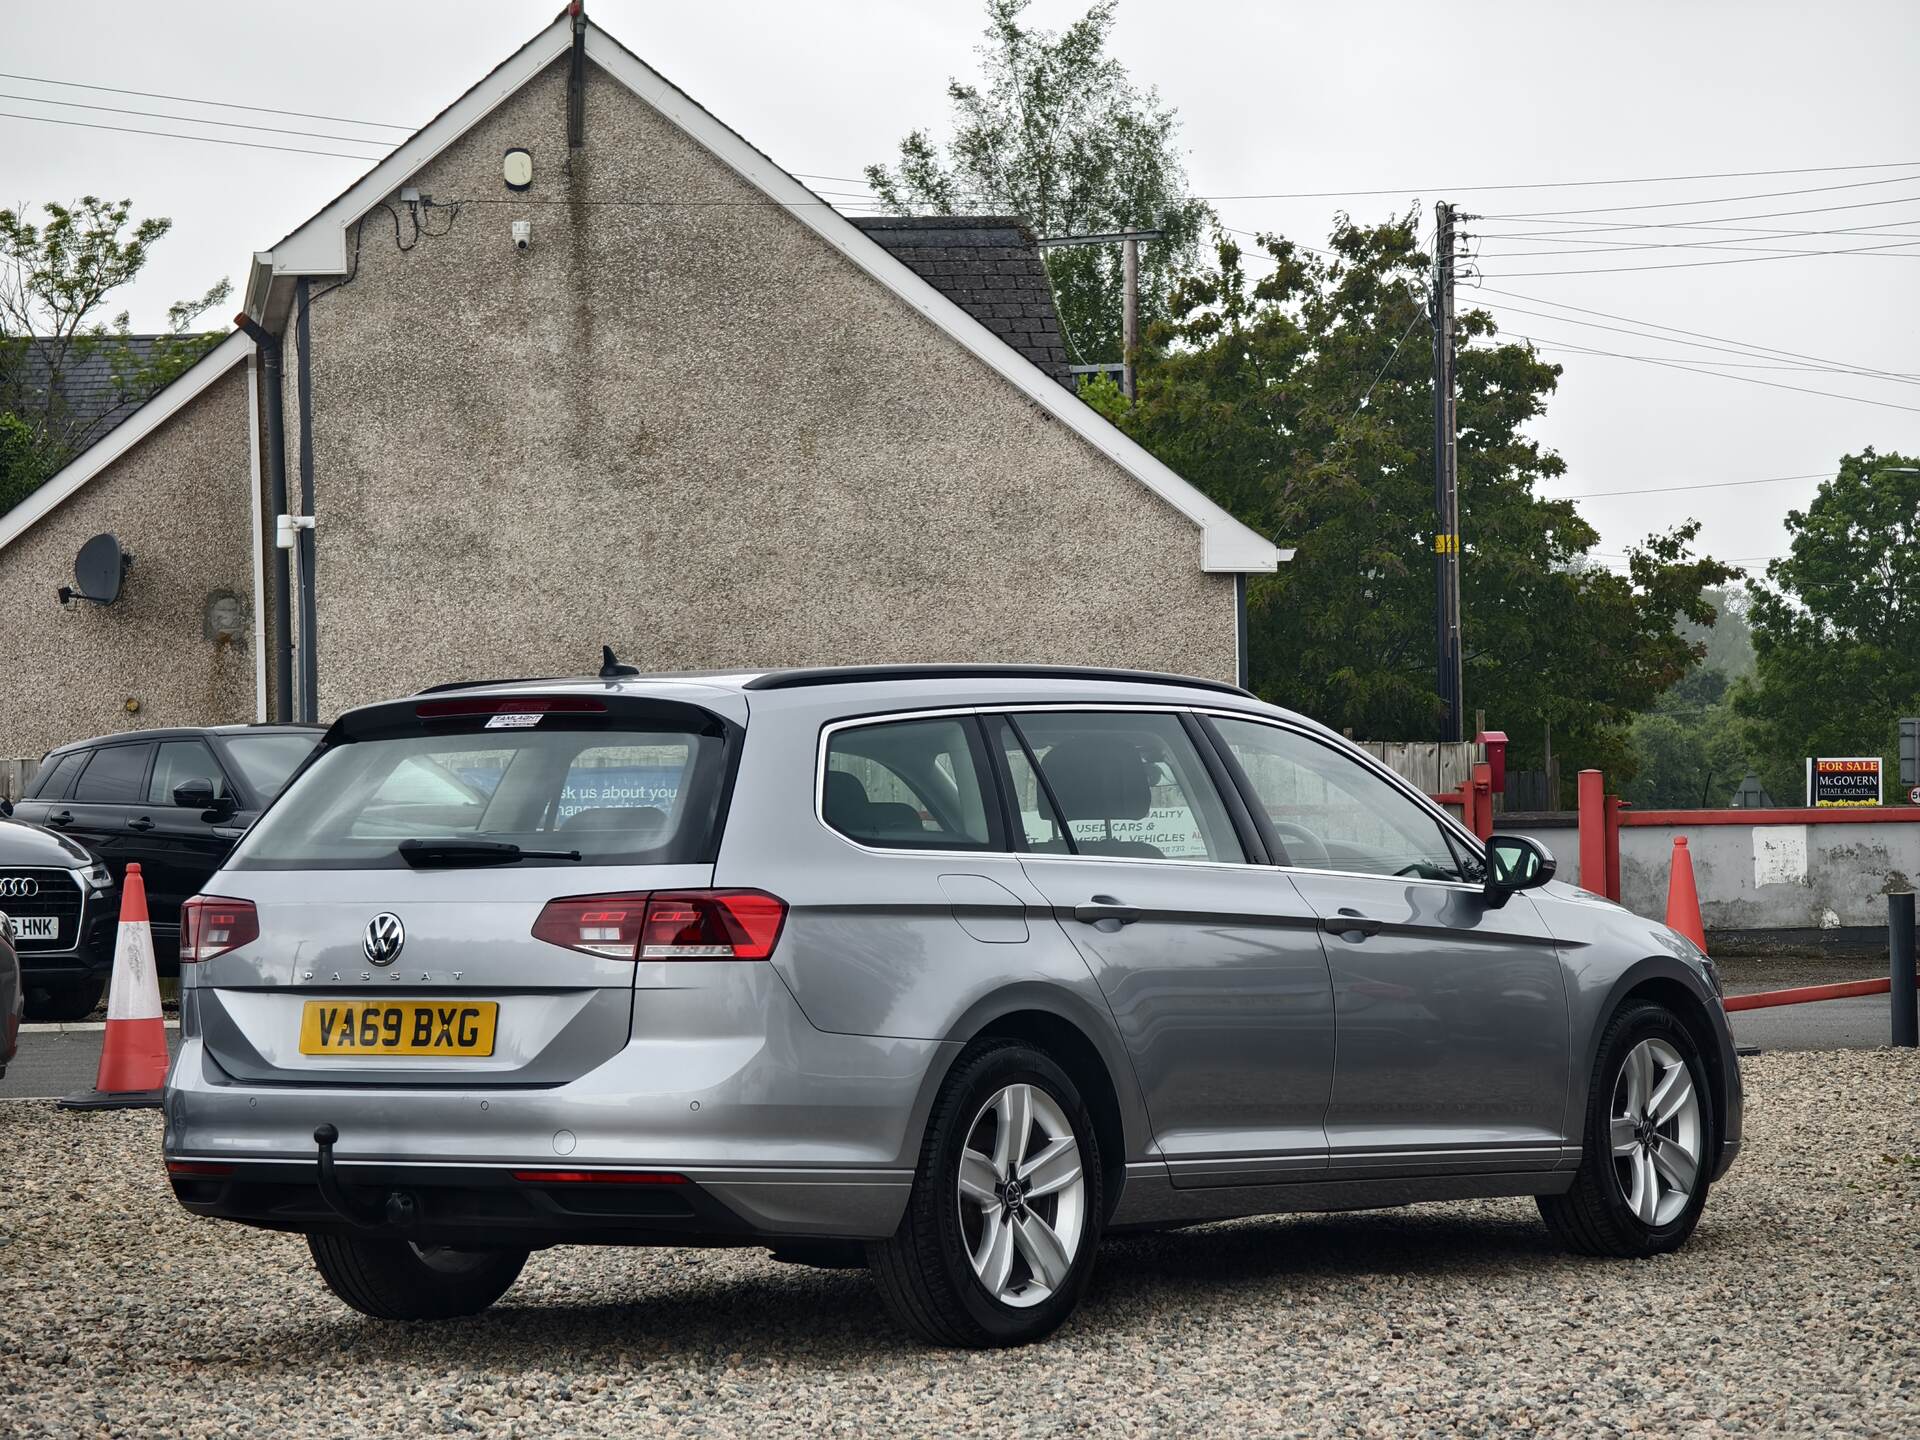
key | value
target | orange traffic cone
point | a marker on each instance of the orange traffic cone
(1683, 899)
(133, 1058)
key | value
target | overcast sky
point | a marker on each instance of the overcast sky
(1427, 101)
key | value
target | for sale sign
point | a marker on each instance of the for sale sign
(1843, 780)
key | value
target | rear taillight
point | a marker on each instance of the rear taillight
(211, 925)
(667, 925)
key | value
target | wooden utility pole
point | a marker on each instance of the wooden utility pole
(1129, 242)
(1446, 483)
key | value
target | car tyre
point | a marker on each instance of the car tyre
(997, 1245)
(1647, 1152)
(398, 1280)
(65, 1004)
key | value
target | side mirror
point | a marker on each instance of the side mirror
(198, 795)
(1515, 862)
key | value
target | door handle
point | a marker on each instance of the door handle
(1352, 927)
(60, 817)
(143, 823)
(1105, 909)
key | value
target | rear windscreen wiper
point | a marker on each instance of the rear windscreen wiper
(428, 854)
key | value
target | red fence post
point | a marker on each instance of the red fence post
(1481, 792)
(1614, 806)
(1593, 831)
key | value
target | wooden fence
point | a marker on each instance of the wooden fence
(1436, 766)
(14, 775)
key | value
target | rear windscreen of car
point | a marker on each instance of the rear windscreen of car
(618, 792)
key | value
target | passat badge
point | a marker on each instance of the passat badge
(516, 721)
(385, 935)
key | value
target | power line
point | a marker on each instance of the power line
(221, 104)
(1745, 379)
(1709, 200)
(1594, 228)
(1750, 246)
(1745, 346)
(1901, 245)
(1709, 485)
(203, 139)
(195, 120)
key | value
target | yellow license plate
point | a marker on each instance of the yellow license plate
(398, 1027)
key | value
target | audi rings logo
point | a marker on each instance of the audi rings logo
(385, 936)
(18, 887)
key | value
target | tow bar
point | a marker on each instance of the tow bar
(397, 1212)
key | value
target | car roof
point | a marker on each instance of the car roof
(863, 687)
(187, 732)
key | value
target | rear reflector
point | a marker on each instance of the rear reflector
(668, 925)
(211, 925)
(598, 1177)
(205, 1169)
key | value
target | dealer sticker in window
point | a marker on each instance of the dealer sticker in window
(512, 722)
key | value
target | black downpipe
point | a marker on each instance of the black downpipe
(268, 345)
(304, 538)
(1243, 668)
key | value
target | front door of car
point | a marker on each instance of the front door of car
(1212, 967)
(101, 809)
(177, 846)
(1451, 1021)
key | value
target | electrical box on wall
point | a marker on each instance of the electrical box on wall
(517, 169)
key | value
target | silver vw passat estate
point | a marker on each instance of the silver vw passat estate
(956, 968)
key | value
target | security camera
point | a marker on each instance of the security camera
(522, 234)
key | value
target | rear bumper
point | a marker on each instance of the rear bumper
(490, 1206)
(788, 1130)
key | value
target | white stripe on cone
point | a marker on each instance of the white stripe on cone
(135, 992)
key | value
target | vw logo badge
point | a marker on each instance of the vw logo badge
(18, 887)
(385, 936)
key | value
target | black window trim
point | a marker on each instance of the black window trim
(1003, 781)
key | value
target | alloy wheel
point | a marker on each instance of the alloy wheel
(1656, 1133)
(1022, 1196)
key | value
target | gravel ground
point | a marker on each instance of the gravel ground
(1792, 1311)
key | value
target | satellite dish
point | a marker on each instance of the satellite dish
(97, 571)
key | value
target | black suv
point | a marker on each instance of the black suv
(174, 800)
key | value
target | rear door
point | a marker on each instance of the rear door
(1451, 1014)
(105, 800)
(348, 962)
(178, 848)
(1212, 965)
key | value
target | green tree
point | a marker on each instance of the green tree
(54, 281)
(1301, 401)
(1834, 624)
(1057, 133)
(1690, 748)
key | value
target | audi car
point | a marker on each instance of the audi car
(62, 904)
(955, 970)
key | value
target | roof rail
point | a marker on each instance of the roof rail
(854, 674)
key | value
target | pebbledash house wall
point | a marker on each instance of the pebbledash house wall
(179, 501)
(683, 425)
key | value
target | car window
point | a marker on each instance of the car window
(906, 784)
(116, 775)
(1330, 812)
(265, 761)
(617, 792)
(52, 782)
(1131, 784)
(178, 762)
(1041, 829)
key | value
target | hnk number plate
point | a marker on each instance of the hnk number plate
(398, 1027)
